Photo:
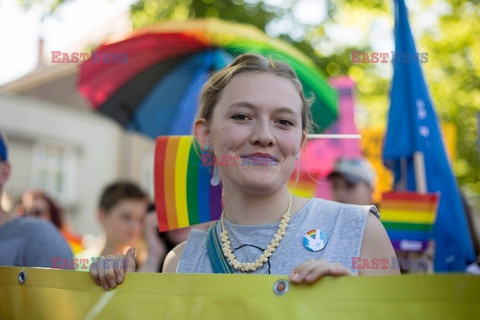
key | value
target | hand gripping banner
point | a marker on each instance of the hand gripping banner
(34, 293)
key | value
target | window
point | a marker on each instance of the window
(55, 170)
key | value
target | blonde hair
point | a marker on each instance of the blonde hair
(250, 62)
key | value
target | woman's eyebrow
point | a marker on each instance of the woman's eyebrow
(251, 106)
(241, 104)
(285, 110)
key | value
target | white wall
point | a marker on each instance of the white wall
(137, 160)
(97, 140)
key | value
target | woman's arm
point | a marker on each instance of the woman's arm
(377, 252)
(173, 258)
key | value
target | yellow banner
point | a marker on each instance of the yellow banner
(63, 294)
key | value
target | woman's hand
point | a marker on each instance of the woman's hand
(110, 270)
(312, 270)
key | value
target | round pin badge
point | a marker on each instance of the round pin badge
(315, 240)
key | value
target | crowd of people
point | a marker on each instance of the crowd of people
(253, 108)
(36, 232)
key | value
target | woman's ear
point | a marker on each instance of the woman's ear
(201, 132)
(304, 139)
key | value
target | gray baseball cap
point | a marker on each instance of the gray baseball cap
(354, 171)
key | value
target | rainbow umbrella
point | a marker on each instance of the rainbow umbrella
(149, 80)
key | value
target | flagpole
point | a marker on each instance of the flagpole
(402, 183)
(419, 169)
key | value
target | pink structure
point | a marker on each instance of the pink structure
(321, 154)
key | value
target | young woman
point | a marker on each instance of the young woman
(38, 204)
(255, 109)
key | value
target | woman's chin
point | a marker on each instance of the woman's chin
(263, 186)
(261, 180)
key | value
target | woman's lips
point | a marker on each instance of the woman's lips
(259, 155)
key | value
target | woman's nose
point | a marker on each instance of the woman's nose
(262, 134)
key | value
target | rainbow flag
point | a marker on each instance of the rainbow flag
(408, 218)
(303, 184)
(183, 193)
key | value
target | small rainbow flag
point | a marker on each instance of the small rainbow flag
(74, 241)
(303, 184)
(183, 193)
(408, 218)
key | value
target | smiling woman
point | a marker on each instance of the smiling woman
(264, 124)
(255, 109)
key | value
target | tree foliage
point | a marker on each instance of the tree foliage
(453, 71)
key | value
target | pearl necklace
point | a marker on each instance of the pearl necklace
(267, 253)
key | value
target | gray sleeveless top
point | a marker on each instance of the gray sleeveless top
(343, 224)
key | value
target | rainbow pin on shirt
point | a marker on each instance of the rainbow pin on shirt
(315, 240)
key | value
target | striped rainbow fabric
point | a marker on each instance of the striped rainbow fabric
(408, 218)
(75, 241)
(302, 184)
(183, 193)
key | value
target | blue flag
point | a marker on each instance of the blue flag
(413, 126)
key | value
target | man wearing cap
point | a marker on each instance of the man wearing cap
(24, 241)
(353, 181)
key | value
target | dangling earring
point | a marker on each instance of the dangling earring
(207, 148)
(297, 156)
(215, 180)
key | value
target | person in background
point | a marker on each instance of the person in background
(157, 247)
(38, 204)
(122, 210)
(25, 241)
(353, 181)
(473, 267)
(121, 213)
(160, 243)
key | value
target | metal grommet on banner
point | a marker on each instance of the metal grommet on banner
(22, 277)
(280, 287)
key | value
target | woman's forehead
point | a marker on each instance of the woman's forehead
(254, 88)
(264, 77)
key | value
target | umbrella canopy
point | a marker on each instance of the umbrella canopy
(152, 85)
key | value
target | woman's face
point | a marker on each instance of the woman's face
(124, 222)
(39, 208)
(256, 131)
(345, 192)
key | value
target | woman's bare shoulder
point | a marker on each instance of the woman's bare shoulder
(173, 258)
